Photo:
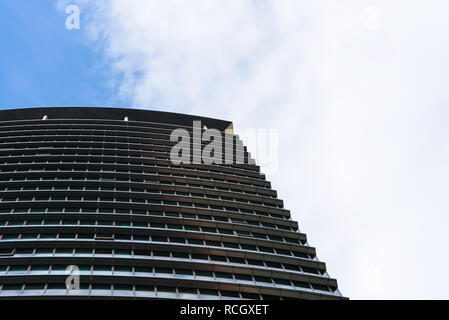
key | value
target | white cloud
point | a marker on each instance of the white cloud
(358, 92)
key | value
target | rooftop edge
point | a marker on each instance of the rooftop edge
(111, 113)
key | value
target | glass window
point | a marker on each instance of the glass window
(103, 251)
(85, 236)
(263, 280)
(158, 225)
(123, 287)
(320, 287)
(51, 222)
(188, 293)
(300, 284)
(209, 294)
(282, 282)
(213, 243)
(283, 251)
(161, 253)
(145, 291)
(229, 295)
(105, 223)
(82, 251)
(34, 222)
(195, 241)
(140, 224)
(18, 270)
(56, 286)
(123, 223)
(166, 292)
(266, 249)
(64, 251)
(69, 222)
(218, 258)
(37, 269)
(16, 223)
(290, 240)
(122, 211)
(123, 236)
(174, 226)
(275, 238)
(300, 254)
(85, 269)
(159, 239)
(192, 228)
(146, 253)
(59, 268)
(184, 273)
(20, 210)
(251, 296)
(122, 270)
(310, 270)
(202, 274)
(23, 251)
(55, 210)
(177, 240)
(164, 272)
(243, 277)
(200, 256)
(291, 267)
(87, 222)
(12, 288)
(100, 288)
(141, 238)
(29, 236)
(218, 218)
(10, 237)
(181, 255)
(273, 264)
(143, 270)
(210, 230)
(226, 231)
(44, 251)
(231, 245)
(102, 269)
(223, 276)
(248, 247)
(237, 260)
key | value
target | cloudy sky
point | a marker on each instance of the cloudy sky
(357, 91)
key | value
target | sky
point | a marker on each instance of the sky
(356, 91)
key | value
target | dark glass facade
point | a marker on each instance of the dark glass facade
(95, 188)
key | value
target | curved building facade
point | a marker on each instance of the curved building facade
(91, 205)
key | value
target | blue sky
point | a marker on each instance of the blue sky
(356, 90)
(44, 64)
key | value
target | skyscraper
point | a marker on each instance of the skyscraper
(92, 205)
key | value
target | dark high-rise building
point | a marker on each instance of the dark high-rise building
(92, 205)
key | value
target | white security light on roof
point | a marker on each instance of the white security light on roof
(126, 119)
(204, 127)
(45, 117)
